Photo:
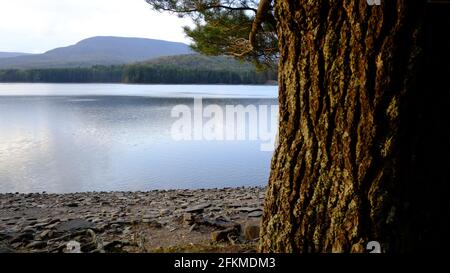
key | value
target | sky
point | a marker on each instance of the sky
(35, 26)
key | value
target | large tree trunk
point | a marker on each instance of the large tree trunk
(363, 138)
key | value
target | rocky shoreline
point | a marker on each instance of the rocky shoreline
(213, 220)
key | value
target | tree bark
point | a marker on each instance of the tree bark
(363, 134)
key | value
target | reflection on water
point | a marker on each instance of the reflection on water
(103, 143)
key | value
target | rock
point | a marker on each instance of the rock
(74, 225)
(222, 235)
(22, 237)
(251, 230)
(222, 219)
(248, 209)
(164, 212)
(150, 216)
(173, 229)
(114, 226)
(216, 209)
(45, 220)
(33, 223)
(11, 223)
(255, 214)
(88, 247)
(121, 221)
(72, 205)
(29, 229)
(115, 246)
(102, 227)
(198, 208)
(40, 225)
(96, 220)
(188, 218)
(52, 226)
(54, 221)
(152, 223)
(193, 228)
(46, 234)
(127, 231)
(218, 222)
(37, 244)
(5, 249)
(4, 236)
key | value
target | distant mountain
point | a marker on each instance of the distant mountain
(98, 51)
(12, 54)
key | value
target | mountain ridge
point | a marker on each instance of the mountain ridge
(13, 54)
(98, 50)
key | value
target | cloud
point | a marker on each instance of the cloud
(39, 25)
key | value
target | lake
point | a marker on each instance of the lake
(63, 138)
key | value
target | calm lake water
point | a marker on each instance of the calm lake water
(62, 138)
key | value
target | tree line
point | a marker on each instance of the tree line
(139, 73)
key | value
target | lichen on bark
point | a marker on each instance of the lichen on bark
(350, 101)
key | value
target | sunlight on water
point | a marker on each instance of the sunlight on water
(108, 141)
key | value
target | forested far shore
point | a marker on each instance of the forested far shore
(189, 69)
